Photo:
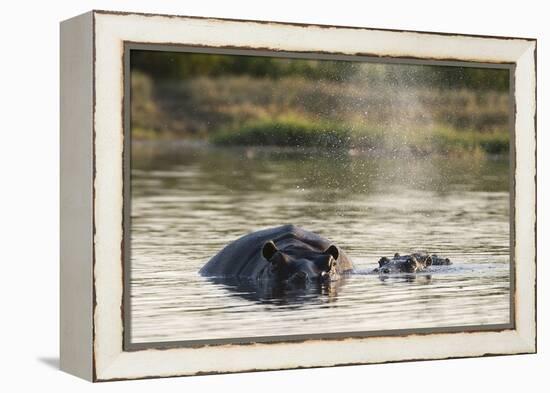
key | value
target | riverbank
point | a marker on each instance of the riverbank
(291, 111)
(300, 133)
(295, 134)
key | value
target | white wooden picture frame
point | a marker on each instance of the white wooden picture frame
(92, 195)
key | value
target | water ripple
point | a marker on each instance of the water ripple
(186, 207)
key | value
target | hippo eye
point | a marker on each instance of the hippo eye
(269, 249)
(333, 250)
(383, 261)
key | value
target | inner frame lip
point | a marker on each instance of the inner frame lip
(128, 46)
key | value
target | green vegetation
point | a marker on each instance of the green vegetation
(244, 100)
(296, 132)
(179, 65)
(289, 131)
(448, 141)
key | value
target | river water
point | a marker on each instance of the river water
(188, 201)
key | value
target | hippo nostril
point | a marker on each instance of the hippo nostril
(300, 276)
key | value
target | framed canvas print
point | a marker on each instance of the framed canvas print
(244, 195)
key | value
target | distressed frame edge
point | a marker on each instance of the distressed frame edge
(526, 159)
(305, 25)
(528, 339)
(76, 196)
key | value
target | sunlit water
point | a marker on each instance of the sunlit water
(188, 202)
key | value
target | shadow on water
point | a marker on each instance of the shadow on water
(406, 278)
(277, 293)
(292, 296)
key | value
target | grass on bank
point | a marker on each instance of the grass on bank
(197, 107)
(445, 140)
(285, 132)
(296, 132)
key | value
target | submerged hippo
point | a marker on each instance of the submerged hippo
(285, 254)
(409, 263)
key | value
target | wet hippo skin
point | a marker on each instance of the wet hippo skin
(284, 254)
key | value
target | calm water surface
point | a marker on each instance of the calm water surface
(190, 201)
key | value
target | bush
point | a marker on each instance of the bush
(300, 132)
(445, 141)
(285, 132)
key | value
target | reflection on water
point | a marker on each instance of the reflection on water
(278, 293)
(189, 201)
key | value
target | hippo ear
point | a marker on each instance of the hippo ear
(333, 250)
(269, 249)
(383, 261)
(428, 261)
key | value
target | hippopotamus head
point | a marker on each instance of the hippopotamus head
(404, 264)
(299, 265)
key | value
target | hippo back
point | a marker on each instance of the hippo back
(243, 257)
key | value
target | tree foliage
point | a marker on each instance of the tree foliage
(161, 65)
